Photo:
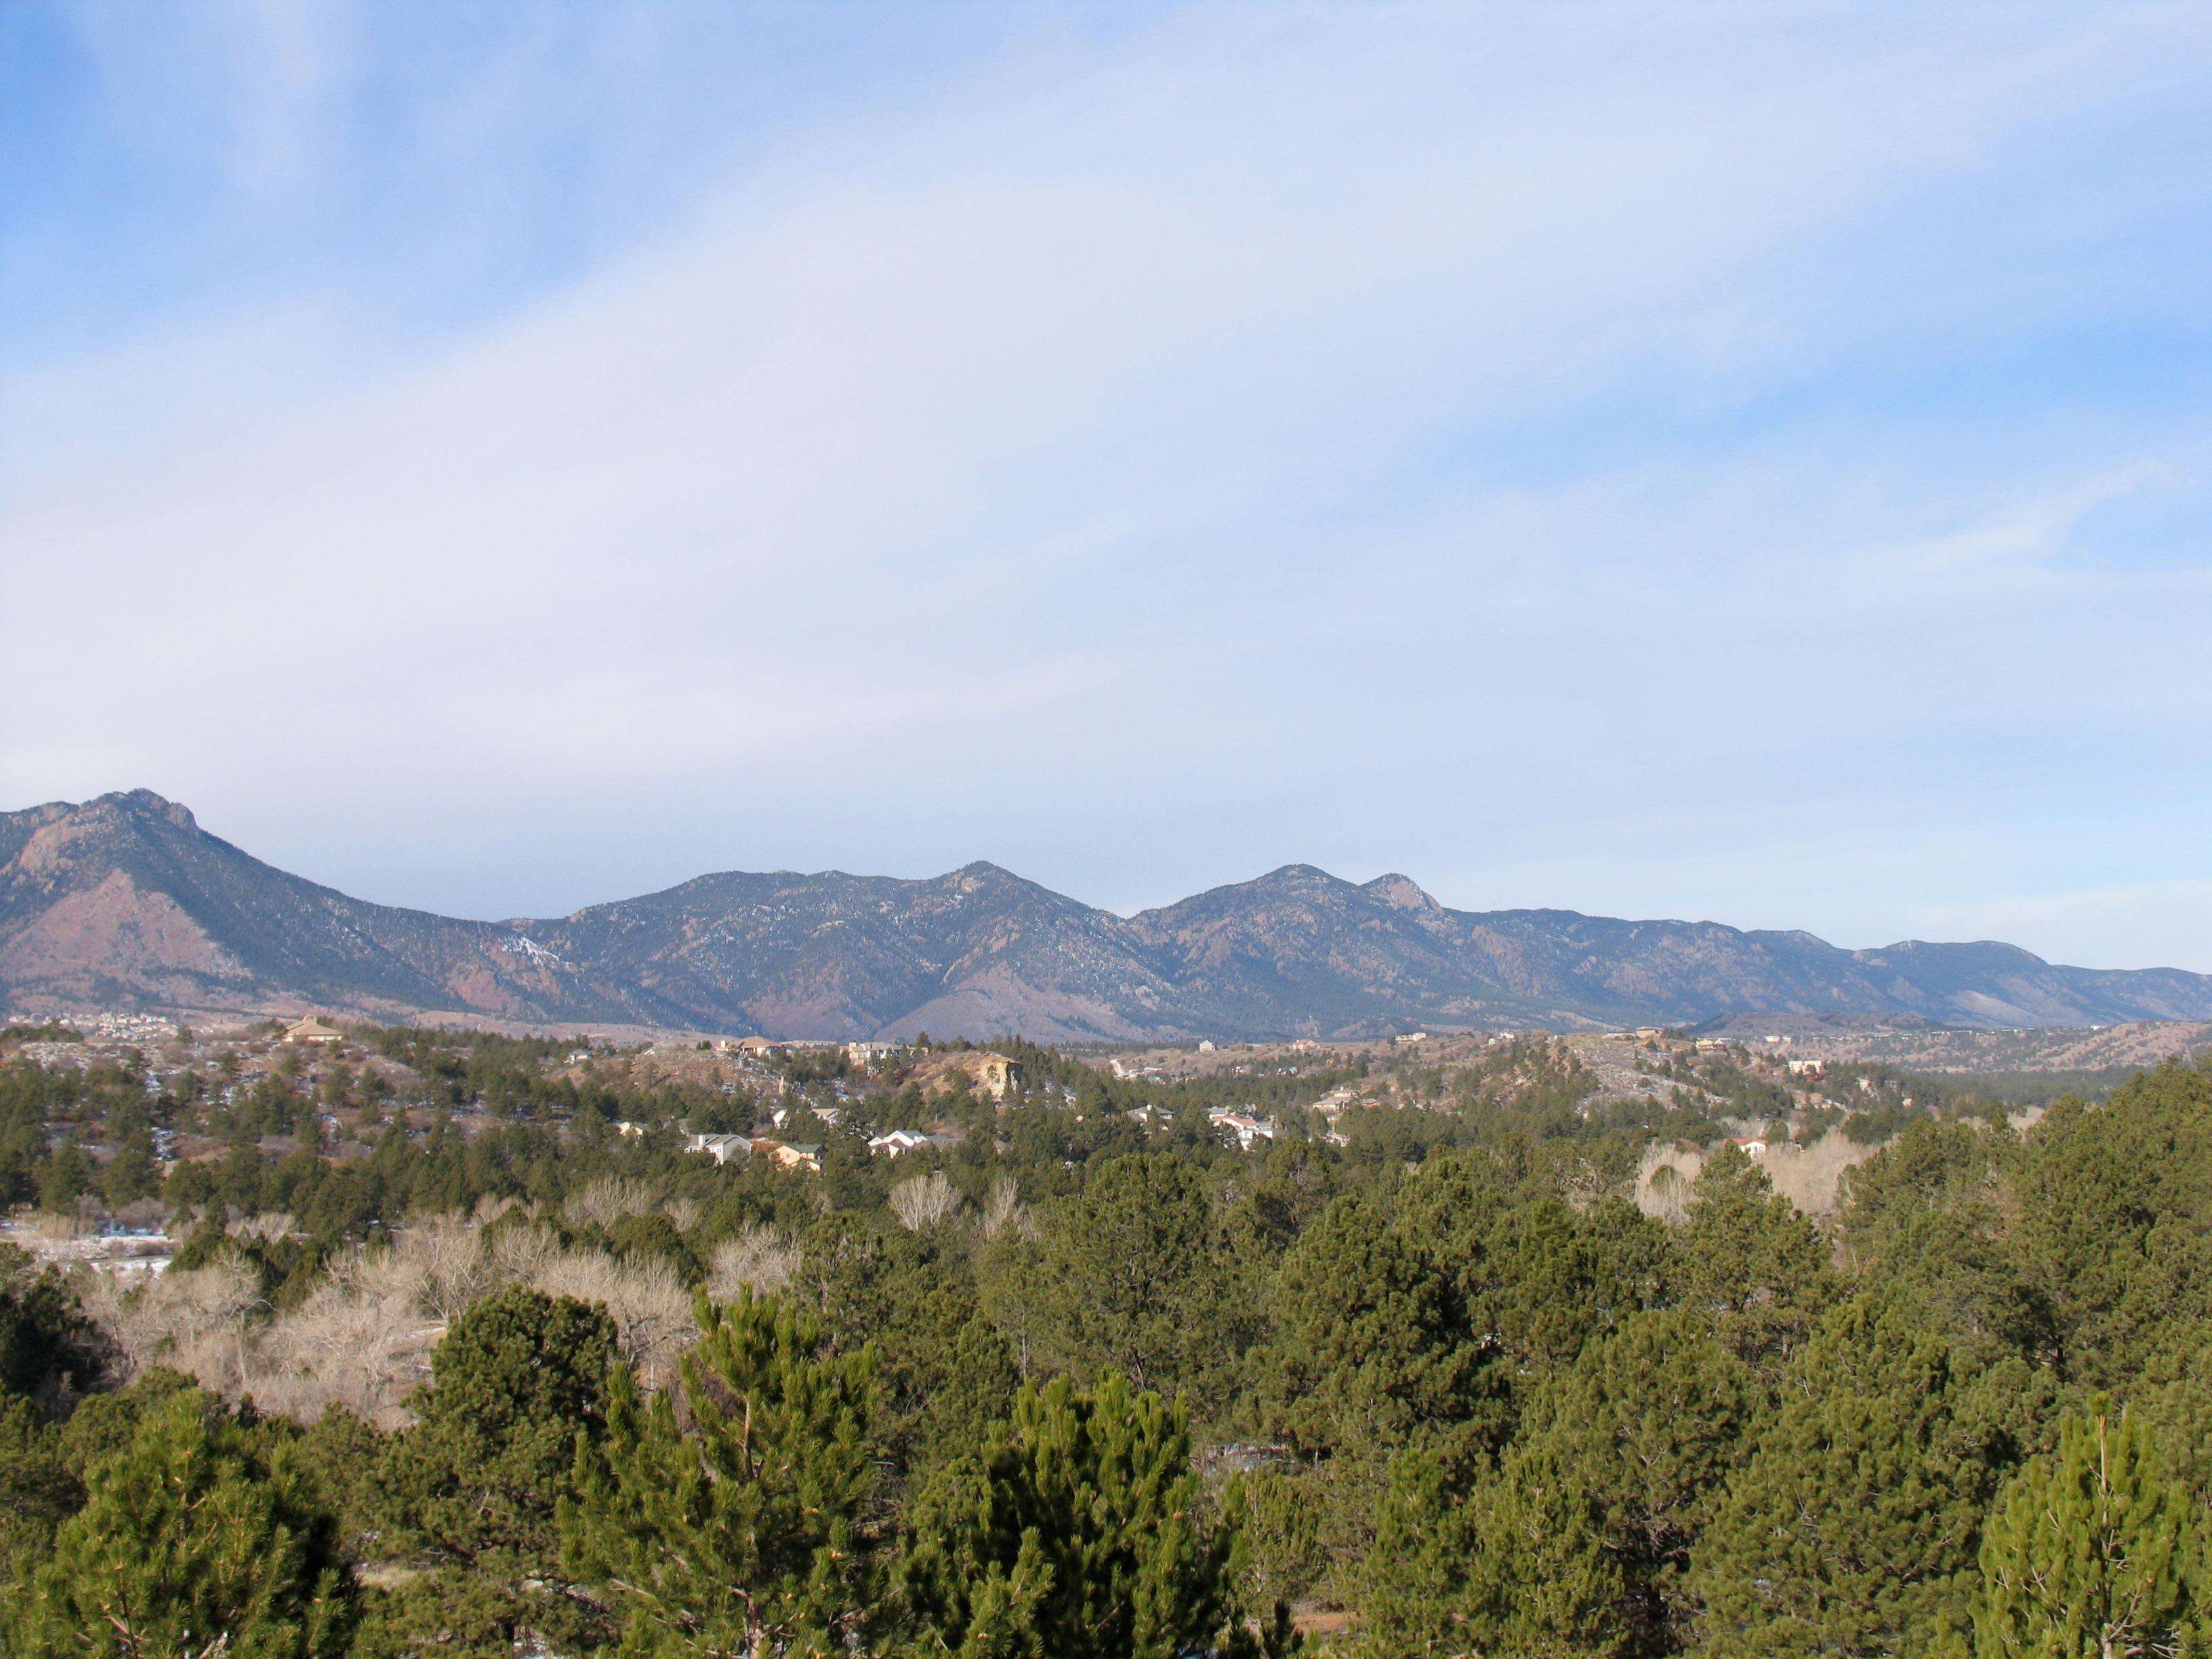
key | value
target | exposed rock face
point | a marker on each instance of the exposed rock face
(125, 902)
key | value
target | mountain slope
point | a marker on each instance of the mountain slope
(125, 902)
(979, 950)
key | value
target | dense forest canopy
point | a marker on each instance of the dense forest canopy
(464, 1350)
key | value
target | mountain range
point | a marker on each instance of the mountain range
(125, 904)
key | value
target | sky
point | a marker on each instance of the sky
(1745, 463)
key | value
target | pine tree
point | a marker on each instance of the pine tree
(1129, 1275)
(1080, 1533)
(1752, 1261)
(2089, 1554)
(1850, 1529)
(48, 1351)
(1580, 1542)
(37, 1491)
(746, 1529)
(190, 1542)
(469, 1493)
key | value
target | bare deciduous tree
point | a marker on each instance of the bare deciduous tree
(1002, 1209)
(448, 1253)
(608, 1200)
(1665, 1180)
(646, 1301)
(760, 1259)
(920, 1202)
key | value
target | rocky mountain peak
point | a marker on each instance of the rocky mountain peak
(1403, 893)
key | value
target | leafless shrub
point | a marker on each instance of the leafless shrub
(683, 1212)
(448, 1256)
(272, 1226)
(648, 1302)
(1003, 1209)
(519, 1256)
(1665, 1180)
(608, 1200)
(1812, 1177)
(143, 1213)
(760, 1259)
(489, 1209)
(196, 1320)
(50, 1229)
(358, 1340)
(920, 1202)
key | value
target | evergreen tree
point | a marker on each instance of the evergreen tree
(1581, 1541)
(2114, 1234)
(191, 1542)
(49, 1352)
(468, 1494)
(1850, 1529)
(1129, 1275)
(1752, 1261)
(1369, 1352)
(2090, 1553)
(1927, 1214)
(746, 1528)
(1078, 1535)
(37, 1491)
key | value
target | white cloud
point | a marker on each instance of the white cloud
(1190, 424)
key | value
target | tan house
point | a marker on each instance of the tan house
(312, 1030)
(790, 1155)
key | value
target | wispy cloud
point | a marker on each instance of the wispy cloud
(1502, 444)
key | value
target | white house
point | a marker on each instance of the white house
(721, 1148)
(1246, 1128)
(898, 1141)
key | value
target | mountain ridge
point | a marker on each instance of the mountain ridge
(125, 903)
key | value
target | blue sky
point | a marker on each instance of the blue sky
(1734, 462)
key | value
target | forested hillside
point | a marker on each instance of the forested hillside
(464, 1352)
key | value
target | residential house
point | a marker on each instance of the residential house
(721, 1148)
(313, 1030)
(1243, 1125)
(898, 1141)
(790, 1155)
